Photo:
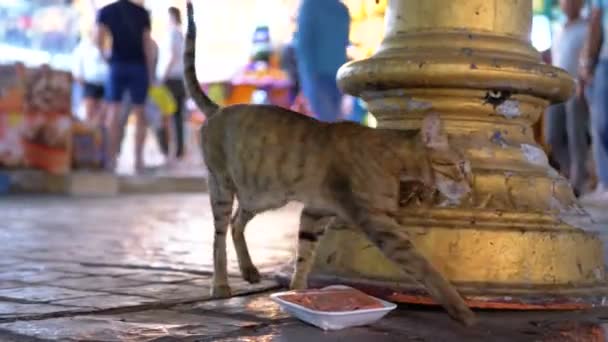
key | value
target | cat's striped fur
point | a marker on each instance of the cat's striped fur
(266, 156)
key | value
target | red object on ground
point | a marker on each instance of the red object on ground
(333, 300)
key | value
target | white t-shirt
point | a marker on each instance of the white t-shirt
(89, 64)
(567, 46)
(173, 44)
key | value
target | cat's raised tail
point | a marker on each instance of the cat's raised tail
(207, 105)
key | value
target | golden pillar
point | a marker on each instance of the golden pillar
(516, 242)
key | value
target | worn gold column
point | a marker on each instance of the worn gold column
(509, 245)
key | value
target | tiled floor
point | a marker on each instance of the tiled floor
(138, 268)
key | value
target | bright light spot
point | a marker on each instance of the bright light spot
(541, 33)
(371, 121)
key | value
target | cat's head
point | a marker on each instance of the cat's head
(449, 169)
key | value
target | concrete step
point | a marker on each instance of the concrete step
(92, 184)
(99, 183)
(161, 184)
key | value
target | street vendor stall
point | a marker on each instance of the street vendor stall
(35, 118)
(261, 80)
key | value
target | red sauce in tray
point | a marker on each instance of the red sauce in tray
(337, 300)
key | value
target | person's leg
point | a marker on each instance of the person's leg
(87, 98)
(114, 88)
(96, 115)
(161, 137)
(138, 89)
(320, 91)
(169, 126)
(294, 89)
(179, 94)
(125, 111)
(599, 122)
(556, 136)
(89, 109)
(576, 126)
(95, 105)
(337, 98)
(97, 121)
(141, 127)
(113, 134)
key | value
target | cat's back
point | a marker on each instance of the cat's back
(271, 154)
(251, 124)
(353, 136)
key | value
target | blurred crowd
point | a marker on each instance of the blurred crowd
(123, 71)
(580, 124)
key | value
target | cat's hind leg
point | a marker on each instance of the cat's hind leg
(312, 228)
(248, 270)
(222, 199)
(390, 238)
(377, 219)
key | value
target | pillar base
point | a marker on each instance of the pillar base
(550, 298)
(517, 241)
(491, 259)
(489, 299)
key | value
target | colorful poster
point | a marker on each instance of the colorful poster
(35, 119)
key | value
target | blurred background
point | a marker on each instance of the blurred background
(47, 31)
(242, 59)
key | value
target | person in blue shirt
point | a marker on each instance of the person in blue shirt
(323, 28)
(131, 69)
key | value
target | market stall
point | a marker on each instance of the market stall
(35, 119)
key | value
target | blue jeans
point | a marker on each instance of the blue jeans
(599, 120)
(566, 132)
(323, 95)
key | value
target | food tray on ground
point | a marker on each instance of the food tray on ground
(334, 307)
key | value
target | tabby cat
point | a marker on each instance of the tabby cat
(267, 156)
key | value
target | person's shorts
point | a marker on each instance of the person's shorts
(93, 91)
(127, 77)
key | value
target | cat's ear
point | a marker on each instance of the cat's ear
(432, 132)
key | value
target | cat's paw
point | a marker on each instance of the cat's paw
(251, 275)
(221, 291)
(464, 315)
(468, 318)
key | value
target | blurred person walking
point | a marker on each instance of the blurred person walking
(154, 120)
(90, 71)
(593, 71)
(171, 74)
(323, 28)
(131, 69)
(566, 123)
(289, 64)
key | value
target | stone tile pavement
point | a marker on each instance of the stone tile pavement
(137, 268)
(70, 259)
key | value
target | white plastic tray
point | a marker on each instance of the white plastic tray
(328, 320)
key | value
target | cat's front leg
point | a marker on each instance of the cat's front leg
(221, 206)
(312, 228)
